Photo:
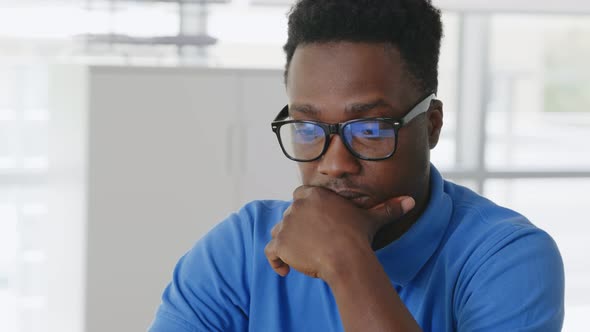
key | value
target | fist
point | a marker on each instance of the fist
(321, 231)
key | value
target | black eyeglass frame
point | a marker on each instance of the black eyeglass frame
(336, 128)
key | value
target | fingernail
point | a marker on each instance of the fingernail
(407, 204)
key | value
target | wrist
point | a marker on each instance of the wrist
(346, 265)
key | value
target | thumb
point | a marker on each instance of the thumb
(392, 209)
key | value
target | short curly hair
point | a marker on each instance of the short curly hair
(414, 27)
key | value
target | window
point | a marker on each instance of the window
(525, 145)
(23, 206)
(539, 112)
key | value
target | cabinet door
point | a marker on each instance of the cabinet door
(159, 178)
(265, 172)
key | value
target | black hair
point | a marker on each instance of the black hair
(414, 27)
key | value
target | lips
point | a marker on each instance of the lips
(350, 191)
(359, 199)
(349, 194)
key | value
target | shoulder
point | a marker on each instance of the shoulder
(243, 228)
(211, 285)
(262, 214)
(502, 258)
(254, 214)
(479, 218)
(486, 228)
(263, 210)
(487, 238)
(238, 234)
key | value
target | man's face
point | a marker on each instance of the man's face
(326, 79)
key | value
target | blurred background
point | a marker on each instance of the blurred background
(129, 128)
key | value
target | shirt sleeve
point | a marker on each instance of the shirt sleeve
(209, 290)
(516, 285)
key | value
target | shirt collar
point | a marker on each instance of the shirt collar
(403, 258)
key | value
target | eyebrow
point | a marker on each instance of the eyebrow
(365, 107)
(304, 109)
(354, 108)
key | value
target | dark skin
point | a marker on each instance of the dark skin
(346, 207)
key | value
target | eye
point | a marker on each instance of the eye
(366, 130)
(306, 132)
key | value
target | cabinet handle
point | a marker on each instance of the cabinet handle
(229, 147)
(243, 149)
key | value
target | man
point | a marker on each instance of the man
(374, 239)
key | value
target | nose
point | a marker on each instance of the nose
(338, 162)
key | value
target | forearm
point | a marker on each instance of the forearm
(366, 298)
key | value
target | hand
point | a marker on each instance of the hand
(320, 228)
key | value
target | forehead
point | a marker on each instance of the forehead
(334, 75)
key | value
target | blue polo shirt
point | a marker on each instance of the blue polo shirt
(467, 264)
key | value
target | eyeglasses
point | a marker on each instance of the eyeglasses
(366, 138)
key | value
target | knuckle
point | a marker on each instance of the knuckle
(269, 250)
(287, 211)
(299, 192)
(297, 203)
(276, 229)
(276, 241)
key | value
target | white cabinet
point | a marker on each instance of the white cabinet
(266, 172)
(165, 154)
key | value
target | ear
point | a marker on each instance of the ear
(435, 122)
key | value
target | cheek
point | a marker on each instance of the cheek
(383, 176)
(406, 171)
(397, 177)
(413, 147)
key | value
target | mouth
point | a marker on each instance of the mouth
(359, 199)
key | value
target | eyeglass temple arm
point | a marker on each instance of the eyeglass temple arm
(283, 114)
(422, 107)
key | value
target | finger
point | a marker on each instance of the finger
(302, 192)
(275, 262)
(276, 229)
(287, 211)
(281, 268)
(392, 209)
